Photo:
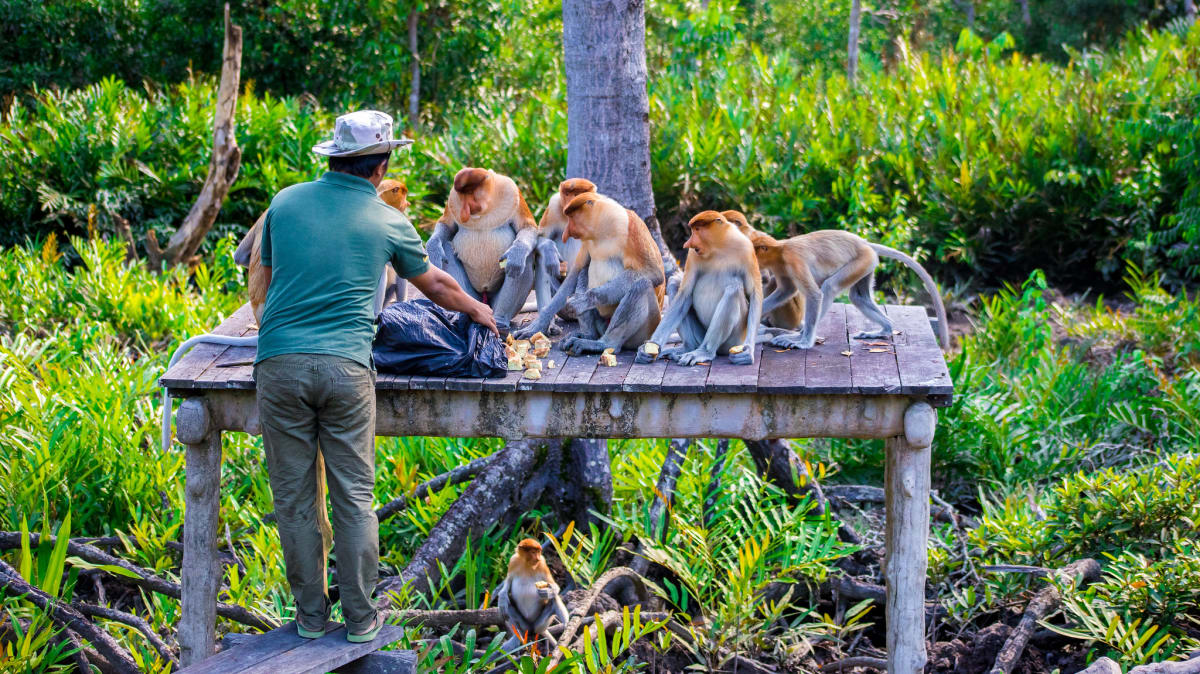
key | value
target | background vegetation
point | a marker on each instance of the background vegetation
(1019, 159)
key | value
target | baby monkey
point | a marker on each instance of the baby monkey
(528, 598)
(719, 303)
(818, 267)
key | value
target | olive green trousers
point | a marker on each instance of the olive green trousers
(306, 401)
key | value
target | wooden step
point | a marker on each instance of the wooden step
(283, 651)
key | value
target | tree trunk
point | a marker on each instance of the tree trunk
(414, 93)
(1027, 19)
(608, 109)
(222, 168)
(852, 43)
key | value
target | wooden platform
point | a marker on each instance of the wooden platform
(908, 363)
(283, 651)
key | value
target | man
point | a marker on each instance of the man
(324, 245)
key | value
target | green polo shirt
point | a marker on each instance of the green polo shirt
(326, 243)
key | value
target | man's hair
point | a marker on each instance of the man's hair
(362, 166)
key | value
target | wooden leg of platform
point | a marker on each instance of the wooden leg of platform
(201, 572)
(907, 492)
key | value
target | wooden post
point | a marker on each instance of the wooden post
(201, 576)
(907, 492)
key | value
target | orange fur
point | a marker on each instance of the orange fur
(527, 561)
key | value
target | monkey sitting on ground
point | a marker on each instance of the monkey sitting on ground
(484, 240)
(819, 266)
(555, 254)
(528, 598)
(786, 316)
(719, 303)
(615, 285)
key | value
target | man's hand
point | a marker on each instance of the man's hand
(444, 291)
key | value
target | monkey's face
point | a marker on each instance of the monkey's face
(707, 231)
(569, 189)
(766, 249)
(577, 212)
(394, 193)
(738, 220)
(471, 184)
(530, 550)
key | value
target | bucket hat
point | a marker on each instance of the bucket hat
(361, 132)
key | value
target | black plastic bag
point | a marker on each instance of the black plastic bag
(419, 337)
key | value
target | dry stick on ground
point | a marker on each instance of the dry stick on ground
(456, 476)
(65, 615)
(664, 493)
(856, 661)
(224, 164)
(578, 612)
(10, 540)
(1083, 571)
(133, 621)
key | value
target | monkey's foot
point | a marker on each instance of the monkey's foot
(552, 330)
(528, 331)
(580, 345)
(872, 335)
(743, 358)
(793, 341)
(693, 357)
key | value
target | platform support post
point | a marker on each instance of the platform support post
(907, 493)
(201, 575)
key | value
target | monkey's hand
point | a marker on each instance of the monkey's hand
(643, 357)
(516, 258)
(549, 258)
(693, 357)
(581, 302)
(547, 593)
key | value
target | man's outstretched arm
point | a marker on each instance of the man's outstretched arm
(445, 292)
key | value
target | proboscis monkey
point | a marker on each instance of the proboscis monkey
(719, 303)
(554, 254)
(615, 285)
(484, 240)
(528, 598)
(819, 266)
(788, 315)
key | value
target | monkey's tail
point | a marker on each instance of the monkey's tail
(179, 353)
(930, 287)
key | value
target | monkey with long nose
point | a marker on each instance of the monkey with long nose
(528, 598)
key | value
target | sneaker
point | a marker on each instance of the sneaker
(309, 634)
(370, 632)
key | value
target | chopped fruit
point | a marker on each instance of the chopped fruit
(533, 362)
(509, 340)
(819, 340)
(521, 345)
(541, 585)
(514, 363)
(608, 351)
(510, 352)
(608, 360)
(847, 353)
(650, 348)
(539, 337)
(533, 373)
(550, 365)
(503, 264)
(737, 349)
(878, 351)
(541, 349)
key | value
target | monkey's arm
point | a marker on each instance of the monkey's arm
(517, 256)
(681, 303)
(785, 290)
(441, 255)
(753, 289)
(609, 293)
(549, 261)
(516, 622)
(576, 278)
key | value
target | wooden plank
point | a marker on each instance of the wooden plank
(464, 383)
(871, 373)
(377, 662)
(644, 377)
(607, 379)
(893, 312)
(685, 379)
(560, 358)
(391, 382)
(921, 362)
(427, 383)
(725, 377)
(263, 647)
(576, 373)
(781, 371)
(826, 370)
(318, 656)
(196, 361)
(503, 384)
(215, 377)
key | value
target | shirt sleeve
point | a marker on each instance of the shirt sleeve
(265, 246)
(407, 252)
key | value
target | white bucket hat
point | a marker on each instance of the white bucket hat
(361, 132)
